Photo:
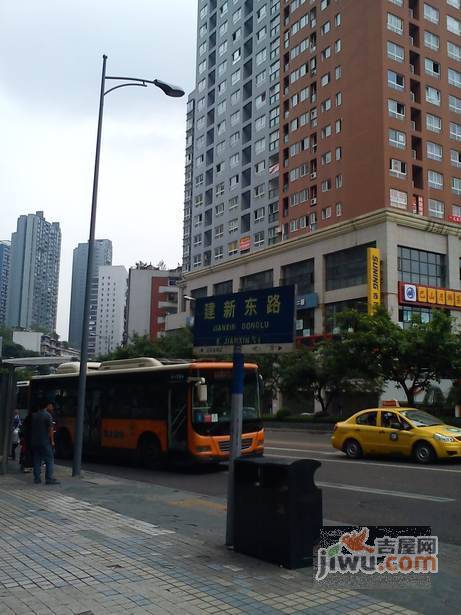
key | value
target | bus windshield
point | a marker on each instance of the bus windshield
(213, 416)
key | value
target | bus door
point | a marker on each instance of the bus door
(177, 418)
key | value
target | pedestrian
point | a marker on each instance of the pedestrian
(42, 443)
(15, 434)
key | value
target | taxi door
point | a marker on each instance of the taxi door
(366, 431)
(396, 434)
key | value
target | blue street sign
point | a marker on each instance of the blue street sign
(257, 320)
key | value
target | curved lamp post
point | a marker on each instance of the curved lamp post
(168, 90)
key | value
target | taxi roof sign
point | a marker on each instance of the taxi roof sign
(390, 403)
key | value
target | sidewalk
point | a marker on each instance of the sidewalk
(103, 545)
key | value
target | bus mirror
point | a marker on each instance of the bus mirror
(202, 392)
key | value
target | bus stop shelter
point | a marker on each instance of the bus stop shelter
(8, 396)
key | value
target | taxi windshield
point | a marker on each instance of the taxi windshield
(420, 418)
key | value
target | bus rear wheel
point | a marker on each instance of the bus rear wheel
(149, 451)
(64, 448)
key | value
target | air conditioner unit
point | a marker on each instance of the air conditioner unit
(314, 201)
(314, 175)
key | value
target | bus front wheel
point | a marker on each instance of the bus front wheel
(64, 448)
(149, 451)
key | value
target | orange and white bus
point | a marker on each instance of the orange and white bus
(152, 409)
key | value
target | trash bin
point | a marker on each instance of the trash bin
(277, 509)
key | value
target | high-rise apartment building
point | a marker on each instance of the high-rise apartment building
(102, 255)
(34, 273)
(152, 296)
(318, 129)
(111, 305)
(5, 247)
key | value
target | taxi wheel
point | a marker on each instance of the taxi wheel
(424, 453)
(353, 449)
(149, 451)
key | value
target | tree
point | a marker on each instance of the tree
(414, 358)
(325, 372)
(176, 345)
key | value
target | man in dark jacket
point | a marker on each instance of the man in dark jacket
(42, 444)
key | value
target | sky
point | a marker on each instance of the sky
(50, 71)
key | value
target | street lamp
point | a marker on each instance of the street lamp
(169, 90)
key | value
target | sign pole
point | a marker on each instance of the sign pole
(238, 377)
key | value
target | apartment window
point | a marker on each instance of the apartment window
(261, 56)
(325, 28)
(339, 181)
(203, 29)
(234, 160)
(434, 151)
(456, 185)
(237, 35)
(421, 267)
(201, 123)
(397, 2)
(396, 109)
(455, 158)
(397, 138)
(454, 103)
(198, 220)
(223, 8)
(454, 51)
(201, 104)
(339, 209)
(325, 80)
(338, 72)
(435, 180)
(235, 118)
(326, 158)
(235, 97)
(259, 191)
(218, 253)
(338, 46)
(221, 127)
(222, 48)
(259, 213)
(433, 123)
(197, 260)
(234, 181)
(260, 100)
(454, 78)
(202, 48)
(398, 168)
(395, 52)
(202, 67)
(338, 99)
(338, 126)
(455, 131)
(337, 20)
(200, 160)
(453, 25)
(261, 13)
(219, 190)
(260, 145)
(197, 240)
(219, 231)
(338, 153)
(258, 239)
(198, 201)
(431, 13)
(394, 24)
(326, 185)
(326, 213)
(261, 34)
(234, 138)
(220, 147)
(261, 77)
(233, 225)
(260, 167)
(432, 95)
(326, 131)
(222, 87)
(432, 68)
(235, 77)
(201, 85)
(456, 211)
(199, 179)
(260, 123)
(219, 209)
(455, 3)
(237, 15)
(200, 142)
(436, 208)
(431, 40)
(398, 198)
(395, 80)
(326, 105)
(346, 268)
(326, 53)
(222, 67)
(232, 248)
(233, 202)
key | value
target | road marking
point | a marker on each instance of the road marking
(397, 494)
(365, 463)
(198, 503)
(299, 450)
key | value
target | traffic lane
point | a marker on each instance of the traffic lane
(441, 479)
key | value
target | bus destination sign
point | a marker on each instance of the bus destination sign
(257, 320)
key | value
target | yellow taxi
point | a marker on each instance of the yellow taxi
(393, 430)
